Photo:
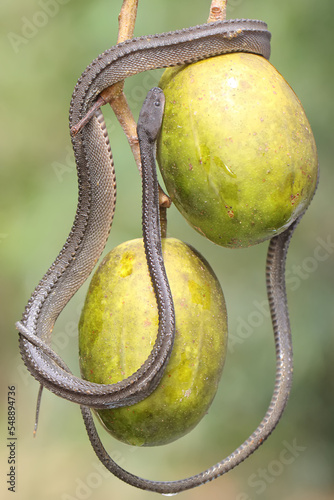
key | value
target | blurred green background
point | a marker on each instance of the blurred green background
(39, 68)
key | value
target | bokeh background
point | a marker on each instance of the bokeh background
(42, 55)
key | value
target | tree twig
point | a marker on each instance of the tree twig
(217, 11)
(116, 97)
(114, 94)
(127, 20)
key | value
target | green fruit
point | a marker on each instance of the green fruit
(236, 150)
(118, 328)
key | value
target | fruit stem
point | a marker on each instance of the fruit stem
(164, 203)
(217, 11)
(114, 94)
(163, 221)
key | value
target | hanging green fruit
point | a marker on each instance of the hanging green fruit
(118, 328)
(236, 150)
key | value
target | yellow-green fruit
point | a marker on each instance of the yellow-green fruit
(118, 328)
(236, 150)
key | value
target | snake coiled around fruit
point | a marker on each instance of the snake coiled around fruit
(90, 230)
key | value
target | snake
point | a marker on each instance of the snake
(91, 227)
(96, 205)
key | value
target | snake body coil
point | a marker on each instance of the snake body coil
(97, 194)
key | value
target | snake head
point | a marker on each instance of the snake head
(151, 114)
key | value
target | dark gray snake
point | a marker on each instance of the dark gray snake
(85, 243)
